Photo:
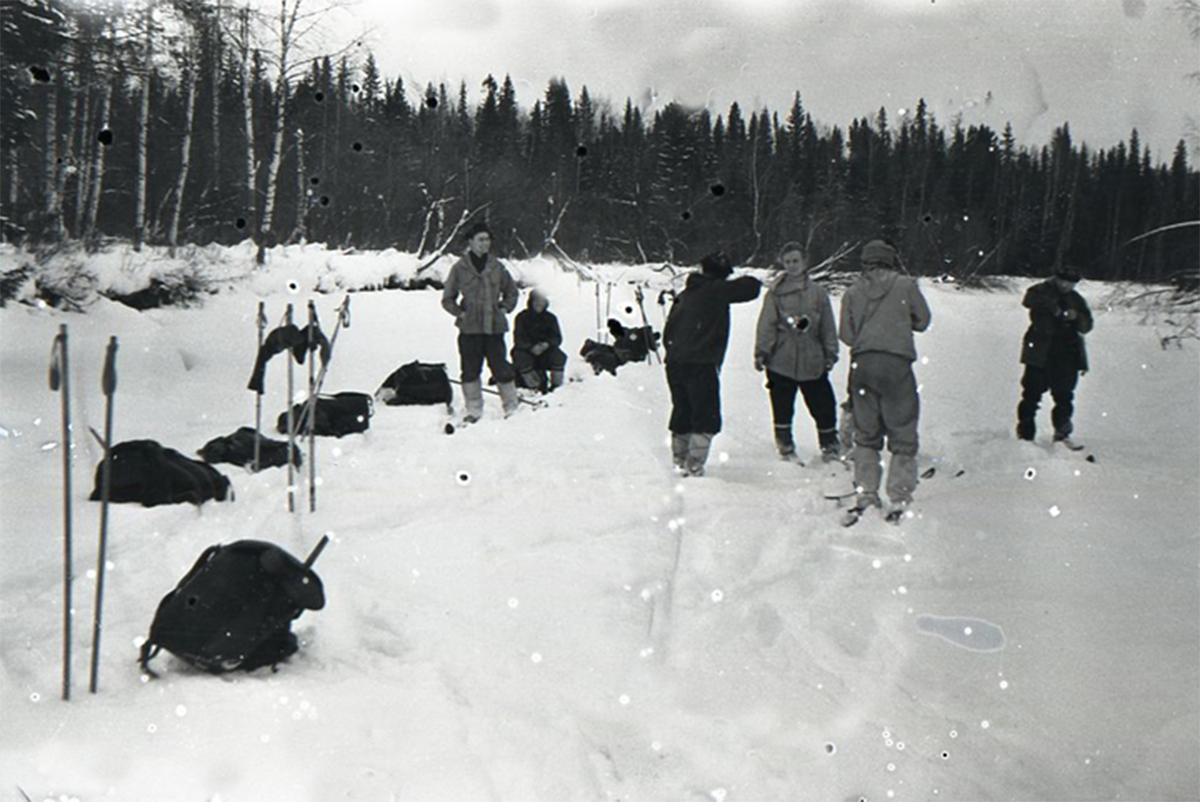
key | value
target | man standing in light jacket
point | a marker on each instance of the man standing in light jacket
(479, 292)
(879, 314)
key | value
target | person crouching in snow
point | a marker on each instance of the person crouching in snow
(479, 292)
(1054, 354)
(696, 335)
(536, 341)
(880, 312)
(796, 342)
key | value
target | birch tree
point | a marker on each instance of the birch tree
(139, 196)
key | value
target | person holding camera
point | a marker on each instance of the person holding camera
(1053, 353)
(796, 343)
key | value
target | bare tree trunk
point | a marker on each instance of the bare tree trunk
(139, 197)
(300, 232)
(248, 119)
(52, 201)
(83, 162)
(216, 95)
(186, 157)
(14, 182)
(287, 24)
(66, 159)
(96, 185)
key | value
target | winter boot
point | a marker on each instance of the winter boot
(830, 444)
(473, 394)
(557, 377)
(531, 380)
(698, 446)
(846, 430)
(679, 450)
(509, 399)
(1026, 430)
(784, 442)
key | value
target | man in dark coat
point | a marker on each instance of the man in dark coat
(536, 341)
(696, 335)
(1054, 353)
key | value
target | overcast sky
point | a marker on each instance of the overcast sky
(1105, 66)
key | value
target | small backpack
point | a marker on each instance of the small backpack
(336, 415)
(238, 449)
(146, 472)
(234, 609)
(416, 383)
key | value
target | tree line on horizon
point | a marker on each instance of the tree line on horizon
(189, 122)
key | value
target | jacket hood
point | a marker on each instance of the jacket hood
(534, 295)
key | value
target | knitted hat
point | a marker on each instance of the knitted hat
(878, 252)
(1067, 273)
(478, 228)
(716, 265)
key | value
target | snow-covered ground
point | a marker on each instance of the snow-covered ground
(537, 609)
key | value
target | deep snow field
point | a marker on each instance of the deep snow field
(537, 609)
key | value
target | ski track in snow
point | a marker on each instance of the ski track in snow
(539, 609)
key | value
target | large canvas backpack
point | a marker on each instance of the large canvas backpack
(234, 609)
(417, 383)
(148, 473)
(336, 415)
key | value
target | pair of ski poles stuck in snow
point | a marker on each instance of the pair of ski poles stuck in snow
(60, 382)
(316, 380)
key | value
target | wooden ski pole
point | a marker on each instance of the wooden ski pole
(316, 552)
(108, 382)
(601, 332)
(261, 323)
(60, 382)
(641, 302)
(291, 421)
(312, 429)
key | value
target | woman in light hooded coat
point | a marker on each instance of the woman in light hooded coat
(797, 344)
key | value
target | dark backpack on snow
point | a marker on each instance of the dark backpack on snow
(238, 449)
(146, 472)
(416, 383)
(336, 415)
(234, 609)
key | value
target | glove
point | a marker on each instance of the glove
(760, 362)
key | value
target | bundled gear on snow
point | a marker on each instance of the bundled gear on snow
(335, 415)
(238, 449)
(629, 345)
(287, 338)
(234, 609)
(416, 384)
(150, 474)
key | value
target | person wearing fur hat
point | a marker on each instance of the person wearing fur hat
(696, 336)
(796, 343)
(879, 314)
(536, 341)
(479, 292)
(1053, 352)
